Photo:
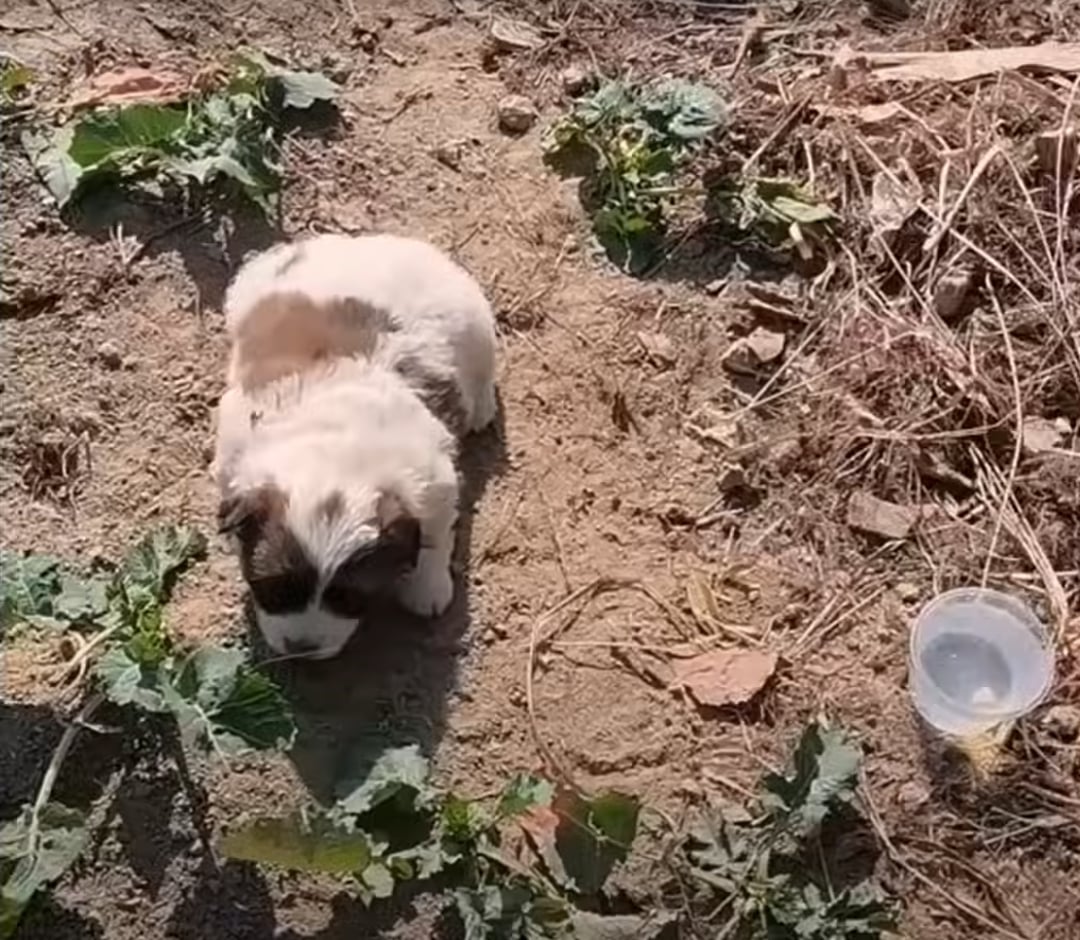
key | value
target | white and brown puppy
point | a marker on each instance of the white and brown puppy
(356, 365)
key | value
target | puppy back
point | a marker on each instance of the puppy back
(286, 334)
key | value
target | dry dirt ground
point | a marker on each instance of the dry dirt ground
(111, 372)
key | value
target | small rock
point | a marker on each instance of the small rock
(877, 517)
(955, 294)
(1042, 434)
(913, 794)
(907, 591)
(575, 80)
(714, 288)
(449, 154)
(1062, 721)
(659, 348)
(739, 358)
(732, 477)
(766, 345)
(517, 114)
(129, 363)
(109, 354)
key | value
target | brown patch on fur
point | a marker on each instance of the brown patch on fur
(289, 334)
(277, 569)
(439, 393)
(333, 507)
(374, 568)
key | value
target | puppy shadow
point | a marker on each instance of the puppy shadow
(211, 240)
(391, 684)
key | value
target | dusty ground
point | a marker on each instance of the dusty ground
(593, 473)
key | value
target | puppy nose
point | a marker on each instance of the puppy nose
(299, 647)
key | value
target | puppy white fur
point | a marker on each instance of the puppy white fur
(356, 364)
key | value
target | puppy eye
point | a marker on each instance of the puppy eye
(344, 600)
(282, 593)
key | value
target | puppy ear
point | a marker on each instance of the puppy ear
(245, 514)
(399, 532)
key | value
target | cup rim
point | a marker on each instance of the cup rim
(1017, 608)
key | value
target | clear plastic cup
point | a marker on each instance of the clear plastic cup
(978, 658)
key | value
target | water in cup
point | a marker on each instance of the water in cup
(978, 658)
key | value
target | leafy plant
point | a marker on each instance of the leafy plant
(216, 698)
(35, 850)
(394, 826)
(760, 867)
(777, 211)
(224, 138)
(629, 141)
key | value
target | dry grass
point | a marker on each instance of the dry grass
(933, 331)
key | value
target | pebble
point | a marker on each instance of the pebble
(907, 591)
(109, 354)
(449, 154)
(517, 114)
(1063, 721)
(575, 80)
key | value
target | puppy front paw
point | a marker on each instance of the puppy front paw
(427, 591)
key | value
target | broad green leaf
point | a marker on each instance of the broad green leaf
(824, 776)
(48, 154)
(147, 572)
(511, 911)
(126, 681)
(25, 868)
(683, 110)
(298, 89)
(399, 769)
(28, 587)
(857, 913)
(523, 793)
(318, 844)
(580, 839)
(118, 135)
(222, 702)
(81, 599)
(301, 90)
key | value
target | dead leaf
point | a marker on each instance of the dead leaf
(869, 115)
(879, 517)
(702, 601)
(716, 427)
(892, 203)
(766, 345)
(965, 64)
(512, 35)
(131, 85)
(725, 677)
(659, 348)
(1042, 434)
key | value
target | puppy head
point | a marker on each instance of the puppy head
(313, 566)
